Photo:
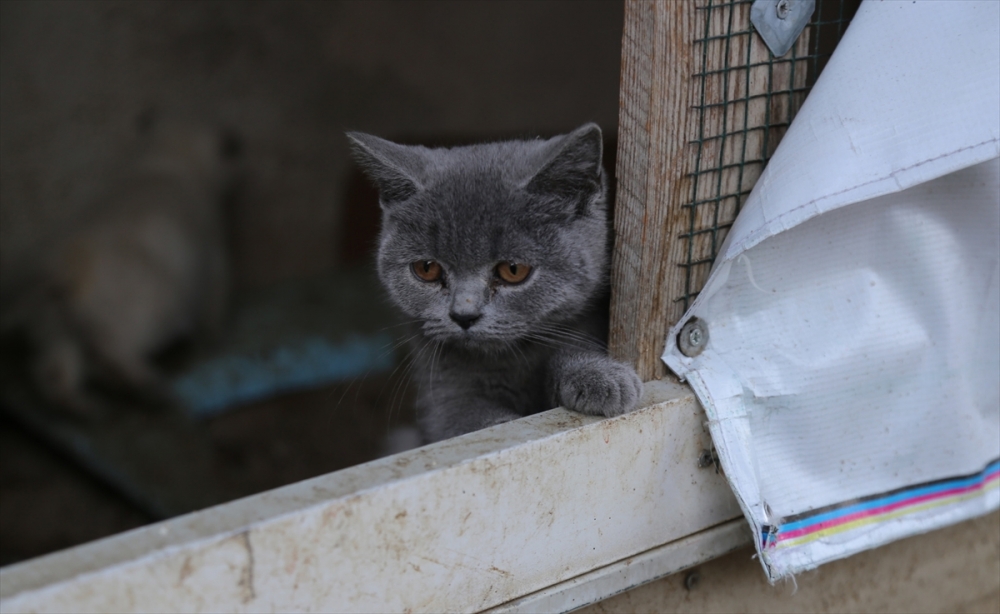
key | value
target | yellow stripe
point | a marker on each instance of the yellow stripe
(882, 517)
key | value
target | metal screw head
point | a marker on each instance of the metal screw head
(705, 459)
(782, 8)
(693, 338)
(691, 579)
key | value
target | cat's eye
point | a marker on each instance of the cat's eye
(513, 272)
(426, 270)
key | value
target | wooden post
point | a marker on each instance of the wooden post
(703, 104)
(654, 126)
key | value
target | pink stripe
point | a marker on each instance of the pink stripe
(875, 511)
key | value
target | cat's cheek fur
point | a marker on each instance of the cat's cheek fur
(596, 385)
(414, 297)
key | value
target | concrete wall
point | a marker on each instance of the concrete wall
(291, 76)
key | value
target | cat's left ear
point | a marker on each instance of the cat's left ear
(571, 165)
(395, 169)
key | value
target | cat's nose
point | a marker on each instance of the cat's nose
(465, 320)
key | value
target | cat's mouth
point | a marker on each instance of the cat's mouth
(474, 337)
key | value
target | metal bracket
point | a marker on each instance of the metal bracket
(780, 22)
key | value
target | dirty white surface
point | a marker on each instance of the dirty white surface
(462, 525)
(627, 574)
(854, 313)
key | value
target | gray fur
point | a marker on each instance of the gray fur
(535, 345)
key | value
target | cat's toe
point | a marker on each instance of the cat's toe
(629, 389)
(601, 388)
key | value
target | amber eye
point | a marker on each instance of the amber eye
(513, 272)
(427, 270)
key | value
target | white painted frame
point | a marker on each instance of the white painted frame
(547, 513)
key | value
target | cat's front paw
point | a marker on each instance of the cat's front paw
(599, 386)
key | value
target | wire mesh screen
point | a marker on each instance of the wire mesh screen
(744, 100)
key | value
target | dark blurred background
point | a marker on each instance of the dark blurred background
(289, 78)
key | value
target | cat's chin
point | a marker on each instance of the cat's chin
(481, 344)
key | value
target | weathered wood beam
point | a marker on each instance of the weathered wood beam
(703, 104)
(655, 123)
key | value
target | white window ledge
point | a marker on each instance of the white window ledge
(549, 512)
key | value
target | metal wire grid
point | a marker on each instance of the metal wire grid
(745, 99)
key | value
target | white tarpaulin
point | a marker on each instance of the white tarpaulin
(852, 370)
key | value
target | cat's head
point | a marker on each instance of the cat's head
(493, 243)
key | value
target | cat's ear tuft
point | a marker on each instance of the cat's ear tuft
(395, 169)
(570, 166)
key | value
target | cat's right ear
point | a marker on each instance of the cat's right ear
(395, 169)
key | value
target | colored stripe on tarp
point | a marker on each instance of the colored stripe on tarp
(846, 516)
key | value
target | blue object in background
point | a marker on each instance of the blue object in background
(215, 385)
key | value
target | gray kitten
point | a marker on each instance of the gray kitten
(499, 252)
